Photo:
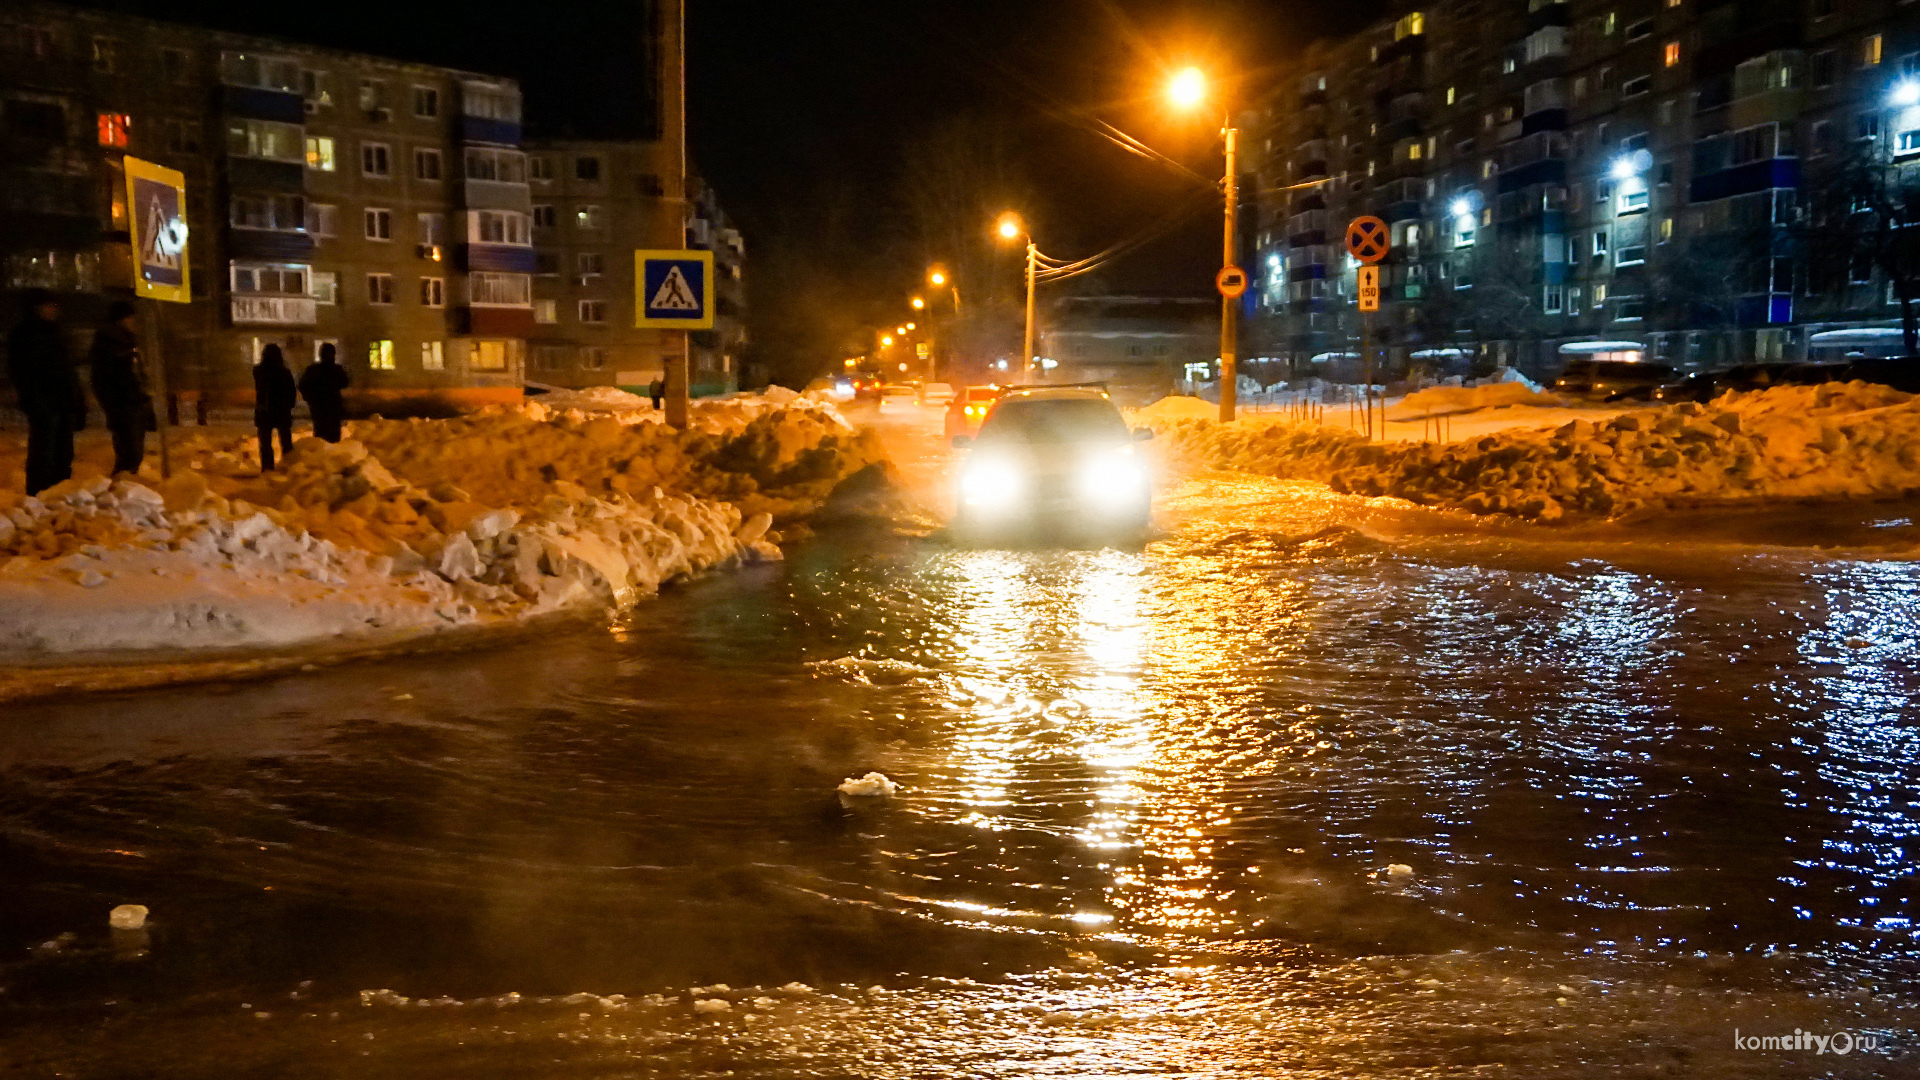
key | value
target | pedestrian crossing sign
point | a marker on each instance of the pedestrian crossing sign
(674, 290)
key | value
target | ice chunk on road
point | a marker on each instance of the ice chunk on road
(127, 917)
(871, 786)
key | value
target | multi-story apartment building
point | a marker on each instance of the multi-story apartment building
(595, 202)
(332, 197)
(1561, 176)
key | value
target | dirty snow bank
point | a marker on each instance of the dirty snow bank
(407, 527)
(1838, 441)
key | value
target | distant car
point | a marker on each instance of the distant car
(1697, 387)
(967, 409)
(1613, 380)
(1054, 461)
(935, 393)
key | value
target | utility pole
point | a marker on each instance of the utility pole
(1229, 328)
(679, 368)
(1026, 354)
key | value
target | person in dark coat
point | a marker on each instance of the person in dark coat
(120, 386)
(273, 401)
(321, 384)
(49, 389)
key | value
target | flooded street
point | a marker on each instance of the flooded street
(1310, 786)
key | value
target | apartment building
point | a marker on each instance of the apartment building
(1562, 175)
(379, 205)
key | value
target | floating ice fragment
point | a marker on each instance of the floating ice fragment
(872, 785)
(127, 917)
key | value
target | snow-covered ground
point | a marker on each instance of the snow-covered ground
(406, 527)
(1547, 463)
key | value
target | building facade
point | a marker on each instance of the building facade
(1655, 173)
(595, 202)
(1142, 347)
(333, 197)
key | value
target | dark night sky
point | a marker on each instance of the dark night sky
(794, 105)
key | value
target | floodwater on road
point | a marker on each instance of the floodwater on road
(1311, 786)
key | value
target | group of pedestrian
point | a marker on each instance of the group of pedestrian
(50, 395)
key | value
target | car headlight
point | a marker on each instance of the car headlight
(1113, 479)
(990, 483)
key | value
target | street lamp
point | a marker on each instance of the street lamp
(1011, 229)
(1188, 91)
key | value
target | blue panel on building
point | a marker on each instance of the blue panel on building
(1545, 171)
(480, 129)
(259, 174)
(499, 258)
(1745, 179)
(269, 244)
(257, 104)
(1544, 120)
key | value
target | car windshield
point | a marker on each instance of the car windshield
(1067, 420)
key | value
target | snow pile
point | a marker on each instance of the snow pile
(1836, 441)
(1490, 394)
(408, 527)
(1175, 407)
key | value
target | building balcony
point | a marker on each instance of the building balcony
(272, 310)
(488, 131)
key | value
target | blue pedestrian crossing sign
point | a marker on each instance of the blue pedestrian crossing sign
(674, 290)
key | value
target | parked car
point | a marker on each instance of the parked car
(1054, 461)
(968, 408)
(1613, 380)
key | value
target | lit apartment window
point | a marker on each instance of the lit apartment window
(114, 128)
(546, 312)
(433, 356)
(489, 356)
(320, 153)
(375, 159)
(426, 163)
(589, 217)
(1871, 50)
(380, 354)
(433, 292)
(593, 311)
(426, 101)
(1672, 54)
(379, 288)
(379, 224)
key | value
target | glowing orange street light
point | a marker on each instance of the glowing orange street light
(1187, 91)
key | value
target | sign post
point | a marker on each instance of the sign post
(1367, 241)
(157, 229)
(674, 291)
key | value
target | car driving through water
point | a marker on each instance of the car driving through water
(1054, 462)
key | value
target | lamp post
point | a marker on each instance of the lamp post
(1188, 91)
(1011, 229)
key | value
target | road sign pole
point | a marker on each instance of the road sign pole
(1229, 330)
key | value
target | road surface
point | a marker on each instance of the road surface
(1311, 786)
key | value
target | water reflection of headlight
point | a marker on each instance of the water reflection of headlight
(991, 482)
(1113, 478)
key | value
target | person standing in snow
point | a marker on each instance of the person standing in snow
(321, 384)
(120, 386)
(49, 390)
(273, 401)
